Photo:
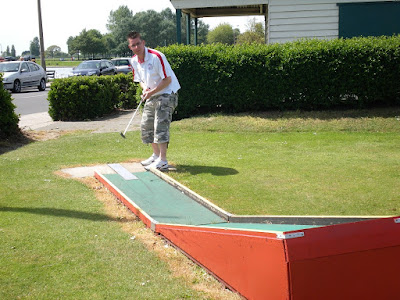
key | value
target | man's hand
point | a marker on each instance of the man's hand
(147, 93)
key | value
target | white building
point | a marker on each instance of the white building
(288, 20)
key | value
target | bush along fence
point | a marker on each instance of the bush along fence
(89, 97)
(307, 74)
(8, 119)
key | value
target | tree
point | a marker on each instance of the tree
(35, 47)
(109, 43)
(255, 33)
(223, 33)
(202, 31)
(8, 53)
(53, 50)
(13, 51)
(157, 29)
(120, 22)
(89, 42)
(116, 18)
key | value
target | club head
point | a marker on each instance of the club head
(122, 135)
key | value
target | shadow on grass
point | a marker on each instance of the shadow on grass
(376, 112)
(64, 213)
(217, 171)
(14, 142)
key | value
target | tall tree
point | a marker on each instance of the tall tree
(255, 33)
(120, 22)
(8, 53)
(89, 42)
(13, 51)
(223, 33)
(53, 51)
(157, 28)
(35, 47)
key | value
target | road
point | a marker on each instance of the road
(30, 102)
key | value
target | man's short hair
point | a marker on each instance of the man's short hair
(133, 35)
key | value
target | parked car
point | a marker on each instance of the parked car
(123, 65)
(2, 59)
(21, 74)
(94, 67)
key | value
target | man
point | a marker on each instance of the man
(160, 86)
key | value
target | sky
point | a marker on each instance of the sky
(62, 19)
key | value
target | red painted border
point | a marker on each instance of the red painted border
(252, 263)
(345, 261)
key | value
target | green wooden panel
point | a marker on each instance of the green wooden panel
(369, 19)
(163, 202)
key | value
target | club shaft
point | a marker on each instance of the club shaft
(134, 114)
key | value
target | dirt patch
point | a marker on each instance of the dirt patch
(179, 264)
(44, 135)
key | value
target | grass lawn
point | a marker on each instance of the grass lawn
(58, 241)
(60, 63)
(337, 163)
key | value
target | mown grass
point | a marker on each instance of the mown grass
(294, 163)
(60, 63)
(58, 242)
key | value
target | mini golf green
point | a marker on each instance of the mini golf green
(167, 205)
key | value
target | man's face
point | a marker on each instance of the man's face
(136, 45)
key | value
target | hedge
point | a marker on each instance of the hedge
(8, 118)
(89, 97)
(306, 74)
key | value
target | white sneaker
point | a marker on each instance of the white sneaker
(150, 160)
(158, 164)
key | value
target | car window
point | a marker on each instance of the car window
(103, 64)
(25, 67)
(121, 62)
(88, 65)
(33, 67)
(12, 67)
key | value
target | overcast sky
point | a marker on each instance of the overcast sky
(62, 19)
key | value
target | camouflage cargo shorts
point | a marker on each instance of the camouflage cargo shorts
(157, 117)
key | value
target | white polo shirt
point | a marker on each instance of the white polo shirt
(153, 69)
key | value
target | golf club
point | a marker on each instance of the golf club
(134, 114)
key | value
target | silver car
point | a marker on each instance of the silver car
(21, 74)
(123, 65)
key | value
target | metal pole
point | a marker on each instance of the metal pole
(42, 58)
(178, 26)
(187, 29)
(195, 31)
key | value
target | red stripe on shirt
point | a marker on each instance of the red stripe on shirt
(160, 58)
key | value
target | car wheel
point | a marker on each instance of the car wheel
(17, 86)
(42, 85)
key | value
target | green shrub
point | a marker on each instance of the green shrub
(89, 97)
(306, 74)
(127, 97)
(8, 119)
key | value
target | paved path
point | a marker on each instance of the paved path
(115, 122)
